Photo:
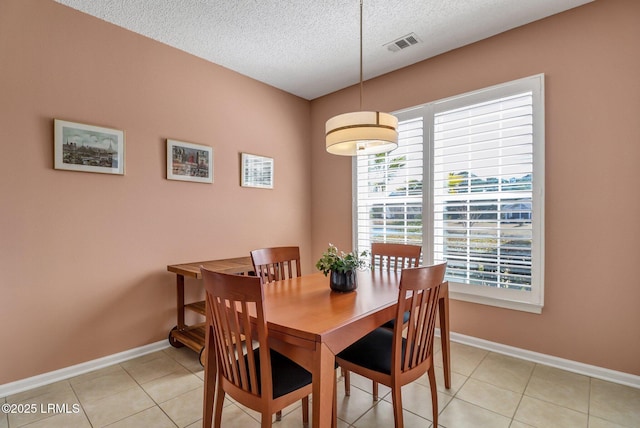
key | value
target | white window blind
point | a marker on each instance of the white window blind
(466, 182)
(487, 181)
(389, 191)
(482, 179)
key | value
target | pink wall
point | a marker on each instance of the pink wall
(591, 60)
(83, 256)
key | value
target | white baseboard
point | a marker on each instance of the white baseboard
(549, 360)
(68, 372)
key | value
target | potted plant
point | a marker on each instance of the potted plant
(342, 267)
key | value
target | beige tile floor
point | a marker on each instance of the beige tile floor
(164, 389)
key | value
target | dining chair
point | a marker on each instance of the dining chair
(395, 257)
(274, 264)
(394, 360)
(256, 377)
(388, 257)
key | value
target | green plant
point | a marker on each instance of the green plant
(339, 261)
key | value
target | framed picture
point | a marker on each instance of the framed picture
(189, 162)
(88, 148)
(256, 171)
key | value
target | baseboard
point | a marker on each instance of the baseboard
(78, 369)
(561, 363)
(548, 360)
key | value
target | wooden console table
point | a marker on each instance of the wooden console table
(192, 336)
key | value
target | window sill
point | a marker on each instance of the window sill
(457, 292)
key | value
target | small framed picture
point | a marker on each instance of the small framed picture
(88, 148)
(189, 162)
(256, 171)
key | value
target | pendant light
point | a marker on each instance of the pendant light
(362, 132)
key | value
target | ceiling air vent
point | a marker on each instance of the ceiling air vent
(403, 42)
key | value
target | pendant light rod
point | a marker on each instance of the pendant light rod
(361, 132)
(361, 77)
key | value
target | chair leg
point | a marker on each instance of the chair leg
(434, 394)
(265, 420)
(217, 422)
(210, 373)
(209, 398)
(396, 394)
(305, 411)
(347, 382)
(375, 391)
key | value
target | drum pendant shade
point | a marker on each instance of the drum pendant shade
(361, 132)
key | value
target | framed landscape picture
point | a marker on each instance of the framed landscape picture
(88, 148)
(256, 171)
(189, 162)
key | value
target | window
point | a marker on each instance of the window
(482, 204)
(389, 191)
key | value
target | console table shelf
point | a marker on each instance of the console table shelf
(193, 335)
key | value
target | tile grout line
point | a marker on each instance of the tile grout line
(35, 397)
(513, 418)
(455, 394)
(84, 412)
(156, 404)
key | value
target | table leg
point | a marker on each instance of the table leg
(443, 306)
(323, 386)
(180, 303)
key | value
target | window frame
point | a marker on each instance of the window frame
(528, 301)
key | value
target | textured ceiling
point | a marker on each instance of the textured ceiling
(311, 47)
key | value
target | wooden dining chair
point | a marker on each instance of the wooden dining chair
(395, 257)
(256, 377)
(388, 257)
(386, 356)
(274, 264)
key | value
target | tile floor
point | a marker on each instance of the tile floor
(164, 389)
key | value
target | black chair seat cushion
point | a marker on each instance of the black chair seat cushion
(391, 324)
(287, 375)
(373, 351)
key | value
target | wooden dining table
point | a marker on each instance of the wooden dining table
(311, 324)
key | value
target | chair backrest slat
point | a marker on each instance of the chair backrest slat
(218, 333)
(419, 292)
(235, 315)
(277, 263)
(390, 256)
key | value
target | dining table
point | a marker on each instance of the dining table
(310, 323)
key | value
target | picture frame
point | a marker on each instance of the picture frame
(189, 162)
(88, 148)
(256, 171)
